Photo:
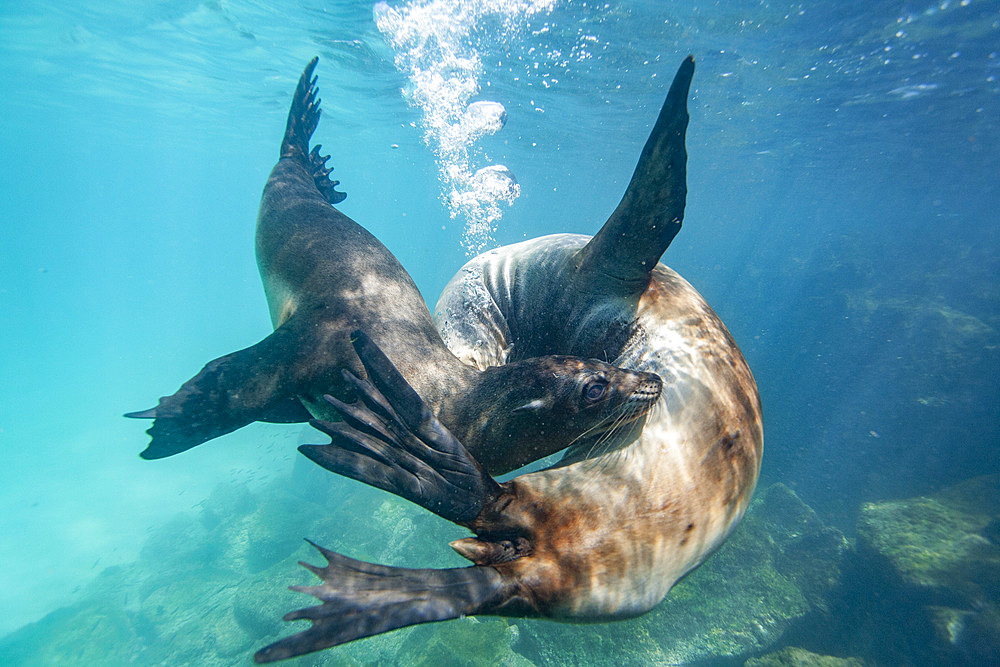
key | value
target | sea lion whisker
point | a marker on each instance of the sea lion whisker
(611, 435)
(601, 455)
(609, 427)
(584, 434)
(608, 431)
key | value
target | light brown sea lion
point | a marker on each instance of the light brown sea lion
(609, 530)
(325, 276)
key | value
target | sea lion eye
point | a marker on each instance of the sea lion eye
(594, 391)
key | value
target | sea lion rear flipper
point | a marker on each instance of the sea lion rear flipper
(391, 440)
(228, 393)
(363, 599)
(303, 116)
(630, 243)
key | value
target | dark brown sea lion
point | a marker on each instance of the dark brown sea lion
(608, 531)
(325, 276)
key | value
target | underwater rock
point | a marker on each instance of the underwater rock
(969, 637)
(918, 408)
(799, 657)
(259, 539)
(937, 554)
(191, 618)
(89, 633)
(199, 594)
(210, 586)
(469, 642)
(777, 567)
(935, 546)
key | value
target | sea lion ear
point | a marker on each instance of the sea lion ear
(533, 406)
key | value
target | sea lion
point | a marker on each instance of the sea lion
(325, 276)
(607, 532)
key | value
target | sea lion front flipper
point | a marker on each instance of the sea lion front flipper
(228, 393)
(392, 440)
(363, 599)
(630, 243)
(288, 411)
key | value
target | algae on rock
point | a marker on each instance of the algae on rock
(799, 657)
(936, 545)
(940, 556)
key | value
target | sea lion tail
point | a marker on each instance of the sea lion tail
(303, 117)
(363, 599)
(390, 439)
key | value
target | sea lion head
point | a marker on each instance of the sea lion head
(529, 409)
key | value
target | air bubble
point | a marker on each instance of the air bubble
(436, 50)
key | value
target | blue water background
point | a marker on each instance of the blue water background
(842, 219)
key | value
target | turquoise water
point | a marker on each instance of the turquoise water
(842, 220)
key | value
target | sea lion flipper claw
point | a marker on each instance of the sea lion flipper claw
(391, 440)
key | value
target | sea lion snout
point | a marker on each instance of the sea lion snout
(645, 396)
(648, 387)
(636, 391)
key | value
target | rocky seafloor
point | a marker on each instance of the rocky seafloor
(919, 586)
